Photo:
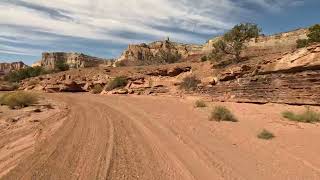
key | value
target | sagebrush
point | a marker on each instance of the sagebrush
(19, 99)
(308, 116)
(221, 113)
(200, 104)
(97, 89)
(265, 134)
(117, 82)
(190, 83)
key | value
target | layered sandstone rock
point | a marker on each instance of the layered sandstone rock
(301, 60)
(293, 78)
(159, 52)
(8, 67)
(275, 43)
(74, 60)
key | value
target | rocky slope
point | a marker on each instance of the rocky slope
(274, 72)
(74, 60)
(8, 67)
(278, 42)
(293, 78)
(159, 52)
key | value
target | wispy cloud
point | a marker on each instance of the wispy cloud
(46, 23)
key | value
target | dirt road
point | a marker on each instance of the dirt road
(119, 137)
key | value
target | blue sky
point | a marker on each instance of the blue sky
(104, 28)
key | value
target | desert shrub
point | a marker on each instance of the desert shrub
(313, 37)
(97, 89)
(302, 43)
(233, 42)
(314, 33)
(190, 83)
(117, 83)
(33, 82)
(200, 104)
(265, 134)
(204, 58)
(120, 63)
(61, 66)
(308, 116)
(164, 56)
(16, 76)
(18, 99)
(221, 113)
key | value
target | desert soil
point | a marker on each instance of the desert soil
(131, 137)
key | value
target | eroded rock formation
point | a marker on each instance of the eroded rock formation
(159, 52)
(8, 67)
(74, 60)
(293, 78)
(274, 43)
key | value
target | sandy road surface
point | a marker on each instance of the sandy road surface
(118, 137)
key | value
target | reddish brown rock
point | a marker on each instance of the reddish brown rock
(5, 68)
(292, 79)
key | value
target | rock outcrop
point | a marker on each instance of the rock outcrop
(293, 78)
(8, 67)
(274, 43)
(153, 80)
(160, 52)
(74, 60)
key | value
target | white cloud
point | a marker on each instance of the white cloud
(19, 51)
(99, 19)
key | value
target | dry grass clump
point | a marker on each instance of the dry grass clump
(308, 116)
(117, 83)
(190, 83)
(200, 104)
(97, 89)
(221, 113)
(265, 134)
(19, 99)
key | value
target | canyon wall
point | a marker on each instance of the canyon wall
(8, 67)
(293, 78)
(279, 42)
(74, 60)
(159, 52)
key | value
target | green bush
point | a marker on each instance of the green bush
(16, 76)
(301, 43)
(313, 37)
(233, 42)
(117, 83)
(167, 57)
(308, 116)
(18, 99)
(221, 113)
(265, 134)
(314, 33)
(204, 58)
(97, 89)
(120, 63)
(61, 66)
(189, 83)
(200, 104)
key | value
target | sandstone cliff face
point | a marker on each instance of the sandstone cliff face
(159, 52)
(278, 42)
(74, 60)
(293, 78)
(8, 67)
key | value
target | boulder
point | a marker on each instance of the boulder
(52, 88)
(70, 86)
(301, 60)
(172, 72)
(7, 87)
